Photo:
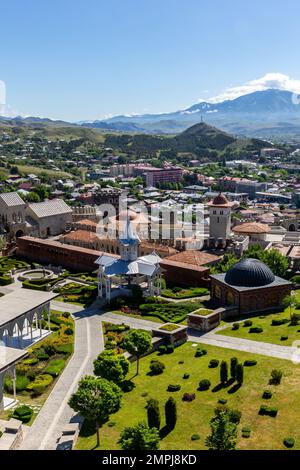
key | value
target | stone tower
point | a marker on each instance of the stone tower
(220, 221)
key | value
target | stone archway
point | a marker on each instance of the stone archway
(19, 233)
(292, 228)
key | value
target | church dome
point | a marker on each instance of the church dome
(220, 200)
(249, 273)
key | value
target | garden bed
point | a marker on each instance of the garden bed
(179, 293)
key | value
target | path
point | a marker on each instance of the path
(56, 413)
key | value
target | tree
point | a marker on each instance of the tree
(111, 366)
(137, 343)
(223, 432)
(272, 258)
(289, 302)
(171, 413)
(153, 413)
(139, 437)
(233, 364)
(224, 372)
(95, 399)
(239, 374)
(42, 191)
(33, 197)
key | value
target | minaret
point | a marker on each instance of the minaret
(220, 221)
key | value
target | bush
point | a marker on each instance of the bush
(284, 338)
(248, 323)
(40, 383)
(278, 322)
(68, 331)
(174, 387)
(200, 352)
(204, 384)
(222, 401)
(234, 416)
(156, 367)
(55, 367)
(235, 326)
(22, 382)
(267, 394)
(250, 363)
(153, 413)
(49, 349)
(213, 363)
(276, 376)
(31, 361)
(170, 413)
(186, 376)
(189, 396)
(42, 356)
(195, 437)
(170, 348)
(23, 413)
(256, 329)
(66, 348)
(246, 432)
(267, 411)
(162, 349)
(128, 386)
(289, 442)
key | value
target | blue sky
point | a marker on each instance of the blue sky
(76, 60)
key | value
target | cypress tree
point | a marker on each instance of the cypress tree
(233, 364)
(224, 372)
(171, 413)
(153, 414)
(240, 374)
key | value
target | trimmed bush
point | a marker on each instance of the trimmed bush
(42, 356)
(68, 331)
(279, 321)
(162, 349)
(268, 411)
(276, 376)
(204, 384)
(246, 432)
(55, 367)
(170, 348)
(171, 413)
(22, 381)
(23, 413)
(189, 396)
(128, 386)
(156, 367)
(267, 394)
(195, 437)
(186, 376)
(289, 442)
(66, 348)
(200, 352)
(30, 362)
(235, 326)
(174, 387)
(248, 323)
(234, 416)
(250, 363)
(256, 329)
(153, 413)
(284, 338)
(40, 383)
(213, 363)
(222, 401)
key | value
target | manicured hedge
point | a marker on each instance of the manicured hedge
(40, 383)
(289, 442)
(250, 363)
(174, 387)
(23, 413)
(55, 366)
(268, 411)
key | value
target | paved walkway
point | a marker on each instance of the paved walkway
(247, 345)
(56, 413)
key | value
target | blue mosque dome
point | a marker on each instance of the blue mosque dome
(249, 273)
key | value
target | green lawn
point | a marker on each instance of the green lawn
(194, 417)
(270, 334)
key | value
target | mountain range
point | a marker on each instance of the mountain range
(262, 114)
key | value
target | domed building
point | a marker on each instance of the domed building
(250, 286)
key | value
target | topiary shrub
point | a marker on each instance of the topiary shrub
(156, 367)
(250, 363)
(40, 383)
(31, 361)
(265, 410)
(174, 387)
(200, 352)
(23, 413)
(213, 363)
(276, 376)
(68, 331)
(55, 367)
(246, 432)
(234, 416)
(222, 401)
(204, 384)
(170, 348)
(248, 323)
(189, 396)
(42, 356)
(49, 349)
(289, 442)
(162, 349)
(235, 326)
(284, 338)
(186, 376)
(128, 386)
(267, 394)
(279, 321)
(195, 437)
(256, 329)
(22, 381)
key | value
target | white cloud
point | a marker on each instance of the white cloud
(270, 80)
